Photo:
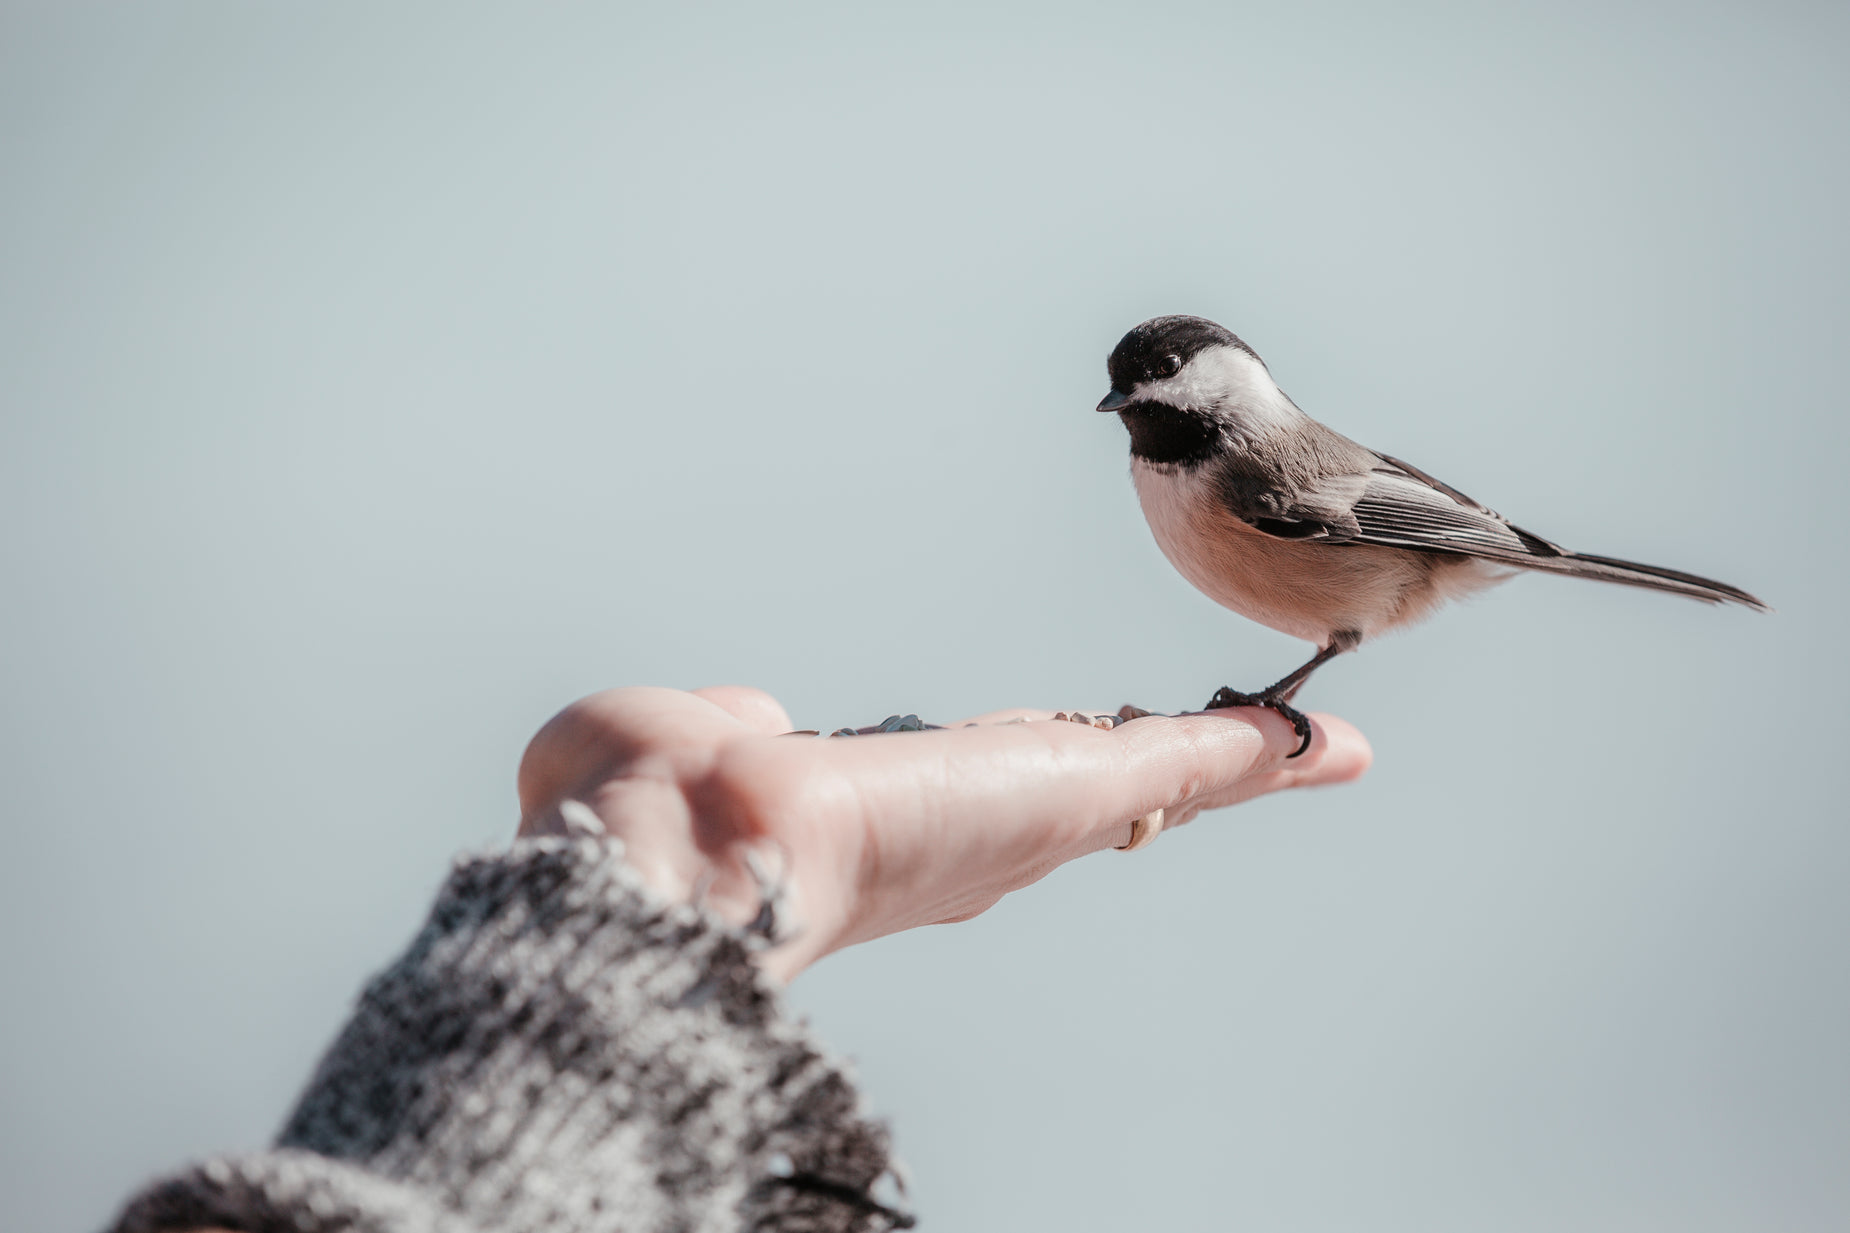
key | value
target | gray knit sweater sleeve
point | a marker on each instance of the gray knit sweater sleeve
(557, 1050)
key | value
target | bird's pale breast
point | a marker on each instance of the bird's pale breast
(1304, 588)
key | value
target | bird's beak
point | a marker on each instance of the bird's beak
(1114, 401)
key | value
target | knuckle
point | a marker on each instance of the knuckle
(1191, 781)
(750, 705)
(754, 789)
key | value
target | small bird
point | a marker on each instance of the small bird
(1297, 527)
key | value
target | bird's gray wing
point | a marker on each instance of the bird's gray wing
(1403, 507)
(1351, 495)
(1305, 494)
(1357, 496)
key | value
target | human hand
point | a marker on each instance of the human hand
(872, 835)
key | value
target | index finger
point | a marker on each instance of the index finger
(1053, 790)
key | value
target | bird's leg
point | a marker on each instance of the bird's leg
(1287, 689)
(1278, 695)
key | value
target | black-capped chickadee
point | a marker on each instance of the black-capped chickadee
(1294, 525)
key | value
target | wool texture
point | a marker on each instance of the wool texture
(561, 1051)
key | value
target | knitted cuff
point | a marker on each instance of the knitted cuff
(557, 1050)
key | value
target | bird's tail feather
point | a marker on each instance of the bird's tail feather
(1631, 573)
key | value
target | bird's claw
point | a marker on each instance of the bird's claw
(1300, 723)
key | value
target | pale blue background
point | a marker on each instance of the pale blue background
(378, 378)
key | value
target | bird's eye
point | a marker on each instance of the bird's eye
(1169, 366)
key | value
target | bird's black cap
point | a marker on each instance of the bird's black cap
(1142, 353)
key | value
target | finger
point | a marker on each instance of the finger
(1016, 715)
(1342, 754)
(1188, 760)
(754, 708)
(636, 729)
(1029, 714)
(1025, 714)
(1338, 754)
(1065, 784)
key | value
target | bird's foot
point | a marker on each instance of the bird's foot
(1224, 697)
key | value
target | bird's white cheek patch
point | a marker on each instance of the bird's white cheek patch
(1231, 383)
